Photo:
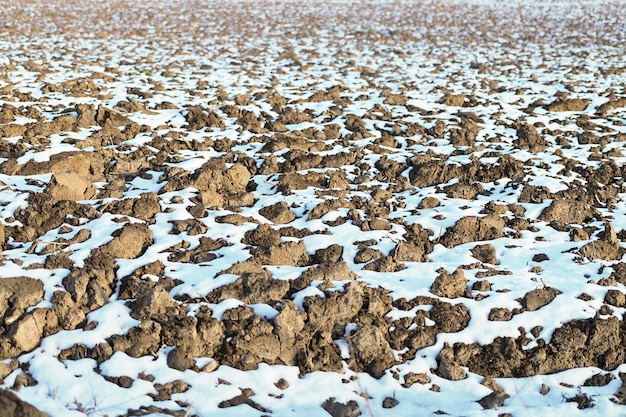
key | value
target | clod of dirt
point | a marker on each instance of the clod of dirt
(619, 273)
(454, 100)
(568, 212)
(62, 258)
(447, 367)
(235, 219)
(6, 367)
(180, 359)
(416, 247)
(252, 288)
(355, 124)
(376, 224)
(247, 120)
(600, 249)
(291, 181)
(335, 308)
(110, 118)
(26, 333)
(390, 402)
(143, 207)
(253, 341)
(615, 298)
(500, 314)
(529, 138)
(204, 252)
(44, 213)
(290, 115)
(41, 128)
(85, 115)
(428, 203)
(165, 391)
(463, 191)
(128, 242)
(140, 341)
(578, 234)
(329, 255)
(326, 207)
(339, 271)
(614, 103)
(8, 113)
(12, 406)
(370, 351)
(394, 99)
(198, 118)
(366, 254)
(412, 378)
(91, 285)
(449, 285)
(494, 400)
(16, 295)
(608, 235)
(449, 318)
(155, 304)
(281, 384)
(385, 264)
(472, 228)
(337, 409)
(8, 131)
(191, 227)
(263, 235)
(570, 104)
(578, 343)
(485, 253)
(539, 297)
(70, 186)
(412, 251)
(599, 380)
(236, 178)
(289, 325)
(67, 311)
(491, 383)
(582, 400)
(535, 194)
(481, 285)
(278, 213)
(285, 253)
(465, 134)
(607, 248)
(89, 166)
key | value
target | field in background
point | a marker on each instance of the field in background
(313, 208)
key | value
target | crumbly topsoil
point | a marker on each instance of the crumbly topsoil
(331, 189)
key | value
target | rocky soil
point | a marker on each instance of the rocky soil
(411, 195)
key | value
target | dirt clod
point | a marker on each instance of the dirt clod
(337, 409)
(390, 402)
(371, 351)
(538, 298)
(12, 406)
(450, 285)
(494, 400)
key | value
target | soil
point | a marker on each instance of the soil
(183, 173)
(12, 406)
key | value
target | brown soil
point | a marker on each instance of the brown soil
(380, 170)
(12, 406)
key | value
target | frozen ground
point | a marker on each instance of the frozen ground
(313, 208)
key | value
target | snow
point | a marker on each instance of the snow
(78, 387)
